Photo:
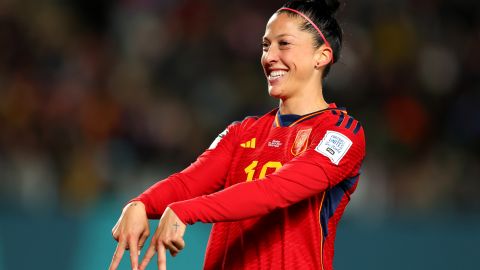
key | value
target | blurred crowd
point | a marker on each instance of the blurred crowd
(103, 98)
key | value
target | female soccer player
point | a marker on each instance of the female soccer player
(274, 186)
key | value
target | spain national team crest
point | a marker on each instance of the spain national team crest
(301, 141)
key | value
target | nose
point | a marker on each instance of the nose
(270, 55)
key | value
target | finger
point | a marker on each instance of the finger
(148, 256)
(179, 244)
(133, 253)
(141, 241)
(173, 250)
(114, 232)
(162, 257)
(117, 256)
(170, 246)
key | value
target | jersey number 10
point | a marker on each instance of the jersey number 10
(250, 169)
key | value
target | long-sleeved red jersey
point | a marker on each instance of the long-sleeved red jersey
(275, 190)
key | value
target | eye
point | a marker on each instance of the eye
(283, 43)
(265, 45)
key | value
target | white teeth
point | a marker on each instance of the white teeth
(276, 74)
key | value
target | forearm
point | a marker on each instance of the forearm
(297, 180)
(251, 199)
(161, 194)
(206, 175)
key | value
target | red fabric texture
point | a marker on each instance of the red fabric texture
(269, 223)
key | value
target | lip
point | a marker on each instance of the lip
(275, 80)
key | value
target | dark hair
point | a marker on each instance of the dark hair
(322, 13)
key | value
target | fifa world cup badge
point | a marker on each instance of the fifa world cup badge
(301, 141)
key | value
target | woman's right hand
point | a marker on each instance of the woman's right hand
(131, 232)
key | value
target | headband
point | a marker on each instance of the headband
(311, 23)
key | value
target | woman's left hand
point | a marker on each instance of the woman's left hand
(169, 235)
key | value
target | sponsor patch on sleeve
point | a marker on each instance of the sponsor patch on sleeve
(218, 139)
(334, 145)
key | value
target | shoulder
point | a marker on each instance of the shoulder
(338, 134)
(248, 120)
(253, 121)
(339, 120)
(234, 130)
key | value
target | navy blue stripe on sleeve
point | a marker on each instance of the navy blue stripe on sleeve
(349, 123)
(340, 120)
(357, 128)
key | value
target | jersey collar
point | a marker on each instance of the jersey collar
(290, 120)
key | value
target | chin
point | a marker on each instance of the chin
(274, 92)
(277, 92)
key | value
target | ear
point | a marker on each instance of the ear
(323, 56)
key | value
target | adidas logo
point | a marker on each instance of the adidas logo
(249, 144)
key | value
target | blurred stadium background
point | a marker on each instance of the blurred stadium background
(99, 99)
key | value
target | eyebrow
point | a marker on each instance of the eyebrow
(280, 36)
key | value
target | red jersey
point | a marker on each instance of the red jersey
(274, 190)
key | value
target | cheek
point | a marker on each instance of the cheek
(262, 61)
(297, 61)
(304, 63)
(303, 60)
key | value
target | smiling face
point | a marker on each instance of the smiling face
(289, 57)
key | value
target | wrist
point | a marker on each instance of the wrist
(136, 204)
(174, 207)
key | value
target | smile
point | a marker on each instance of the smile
(275, 75)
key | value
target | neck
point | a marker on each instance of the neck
(303, 103)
